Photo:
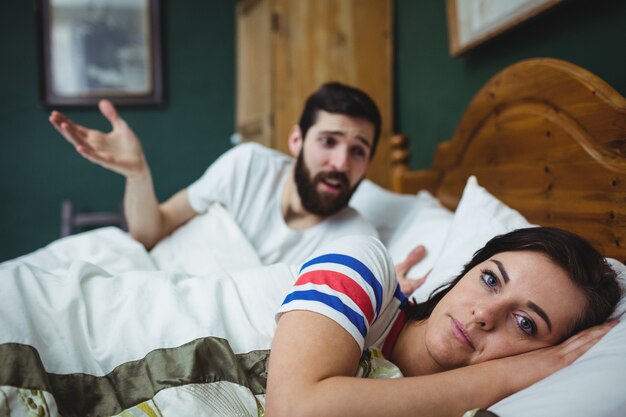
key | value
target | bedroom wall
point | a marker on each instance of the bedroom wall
(38, 169)
(433, 89)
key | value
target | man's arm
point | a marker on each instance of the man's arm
(120, 151)
(148, 221)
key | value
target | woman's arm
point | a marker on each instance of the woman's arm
(313, 360)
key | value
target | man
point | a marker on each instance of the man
(286, 207)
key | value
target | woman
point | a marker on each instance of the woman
(510, 315)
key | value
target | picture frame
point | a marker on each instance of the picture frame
(95, 49)
(472, 22)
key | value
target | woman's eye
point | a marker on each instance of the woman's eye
(489, 279)
(526, 325)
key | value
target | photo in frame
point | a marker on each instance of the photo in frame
(472, 22)
(94, 49)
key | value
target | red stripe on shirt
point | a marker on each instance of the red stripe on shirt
(343, 284)
(392, 337)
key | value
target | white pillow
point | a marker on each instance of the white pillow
(404, 221)
(478, 217)
(210, 242)
(593, 385)
(620, 268)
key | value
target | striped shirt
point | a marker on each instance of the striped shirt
(352, 282)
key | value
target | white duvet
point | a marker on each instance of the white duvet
(90, 303)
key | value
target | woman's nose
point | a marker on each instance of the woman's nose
(485, 316)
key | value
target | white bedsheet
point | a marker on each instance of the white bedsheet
(96, 302)
(89, 320)
(109, 247)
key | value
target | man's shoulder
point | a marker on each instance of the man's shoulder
(350, 221)
(256, 150)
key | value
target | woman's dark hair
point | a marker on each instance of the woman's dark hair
(584, 265)
(339, 98)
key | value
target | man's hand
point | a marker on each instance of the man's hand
(119, 150)
(408, 285)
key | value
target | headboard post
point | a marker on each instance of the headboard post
(403, 179)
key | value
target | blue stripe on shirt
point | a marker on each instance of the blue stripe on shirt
(355, 265)
(399, 294)
(331, 301)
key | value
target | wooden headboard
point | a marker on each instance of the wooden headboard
(546, 137)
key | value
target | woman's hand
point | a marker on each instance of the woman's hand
(559, 356)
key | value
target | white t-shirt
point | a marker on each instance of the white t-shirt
(248, 181)
(351, 281)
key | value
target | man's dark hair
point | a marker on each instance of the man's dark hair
(334, 97)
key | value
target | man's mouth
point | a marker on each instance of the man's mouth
(334, 181)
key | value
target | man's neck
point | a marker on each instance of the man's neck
(295, 215)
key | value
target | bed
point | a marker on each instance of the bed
(547, 138)
(543, 142)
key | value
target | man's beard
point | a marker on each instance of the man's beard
(321, 204)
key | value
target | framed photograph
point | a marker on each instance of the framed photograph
(472, 22)
(94, 49)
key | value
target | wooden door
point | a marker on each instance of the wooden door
(333, 40)
(254, 75)
(303, 44)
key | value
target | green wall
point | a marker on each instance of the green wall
(433, 89)
(38, 168)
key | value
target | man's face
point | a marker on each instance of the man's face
(332, 161)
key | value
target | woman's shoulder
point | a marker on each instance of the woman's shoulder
(363, 254)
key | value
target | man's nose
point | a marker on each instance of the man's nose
(340, 160)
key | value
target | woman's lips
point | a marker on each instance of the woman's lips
(461, 334)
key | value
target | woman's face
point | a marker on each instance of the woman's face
(514, 302)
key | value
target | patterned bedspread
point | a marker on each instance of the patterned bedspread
(203, 377)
